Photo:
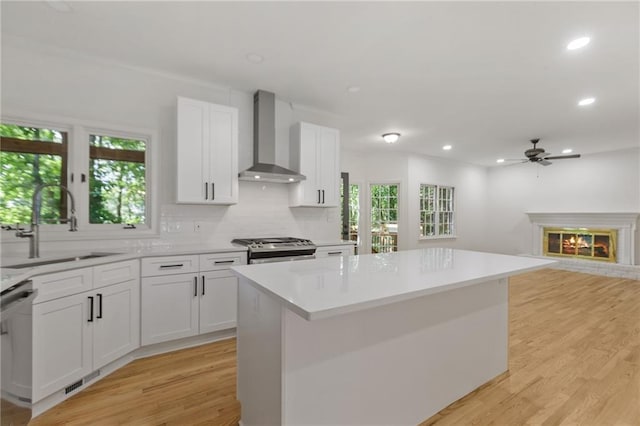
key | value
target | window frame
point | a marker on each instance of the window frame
(437, 212)
(78, 132)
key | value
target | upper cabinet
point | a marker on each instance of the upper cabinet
(207, 153)
(315, 152)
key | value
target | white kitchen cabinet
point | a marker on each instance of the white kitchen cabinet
(178, 305)
(315, 152)
(62, 343)
(207, 155)
(337, 250)
(76, 334)
(169, 307)
(218, 301)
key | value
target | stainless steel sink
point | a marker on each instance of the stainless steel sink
(60, 260)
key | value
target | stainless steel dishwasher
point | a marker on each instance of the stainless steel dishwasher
(16, 306)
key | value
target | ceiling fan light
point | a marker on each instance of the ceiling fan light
(500, 160)
(567, 151)
(391, 137)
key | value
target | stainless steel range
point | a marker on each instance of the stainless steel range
(277, 249)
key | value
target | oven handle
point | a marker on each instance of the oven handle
(281, 259)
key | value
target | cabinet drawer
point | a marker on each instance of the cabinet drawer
(113, 273)
(60, 284)
(169, 265)
(216, 261)
(328, 251)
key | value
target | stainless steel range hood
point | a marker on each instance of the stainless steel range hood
(264, 167)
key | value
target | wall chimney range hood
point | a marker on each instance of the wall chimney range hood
(264, 167)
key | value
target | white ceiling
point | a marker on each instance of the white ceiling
(482, 76)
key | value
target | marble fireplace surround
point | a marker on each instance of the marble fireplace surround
(625, 223)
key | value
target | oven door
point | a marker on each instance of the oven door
(281, 259)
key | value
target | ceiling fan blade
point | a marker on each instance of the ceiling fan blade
(544, 162)
(561, 157)
(520, 160)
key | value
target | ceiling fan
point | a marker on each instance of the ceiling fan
(538, 155)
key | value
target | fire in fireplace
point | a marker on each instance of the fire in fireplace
(581, 243)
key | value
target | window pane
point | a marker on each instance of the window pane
(30, 156)
(117, 181)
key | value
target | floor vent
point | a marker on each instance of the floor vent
(92, 376)
(73, 387)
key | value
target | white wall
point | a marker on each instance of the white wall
(40, 81)
(605, 182)
(410, 171)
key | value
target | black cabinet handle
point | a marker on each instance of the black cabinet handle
(203, 285)
(195, 286)
(213, 190)
(83, 177)
(206, 190)
(90, 308)
(99, 306)
(323, 196)
(71, 177)
(223, 262)
(334, 253)
(318, 196)
(176, 265)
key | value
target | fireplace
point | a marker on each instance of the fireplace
(580, 243)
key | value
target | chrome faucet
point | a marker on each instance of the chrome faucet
(34, 232)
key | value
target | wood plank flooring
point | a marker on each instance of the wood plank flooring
(574, 360)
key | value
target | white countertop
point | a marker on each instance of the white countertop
(10, 276)
(327, 287)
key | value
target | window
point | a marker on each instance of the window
(117, 183)
(30, 156)
(107, 172)
(384, 218)
(437, 211)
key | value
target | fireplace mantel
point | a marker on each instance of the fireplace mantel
(624, 222)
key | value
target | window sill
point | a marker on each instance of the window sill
(438, 237)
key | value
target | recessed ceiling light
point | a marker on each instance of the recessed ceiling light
(567, 151)
(254, 58)
(500, 160)
(578, 43)
(291, 179)
(391, 137)
(257, 177)
(353, 89)
(586, 101)
(447, 147)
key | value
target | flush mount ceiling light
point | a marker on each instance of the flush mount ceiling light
(567, 151)
(586, 101)
(578, 43)
(447, 147)
(391, 137)
(254, 58)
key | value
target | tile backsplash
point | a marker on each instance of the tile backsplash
(263, 210)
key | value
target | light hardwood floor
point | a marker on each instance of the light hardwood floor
(574, 360)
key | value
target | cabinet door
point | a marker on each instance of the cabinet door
(304, 146)
(328, 166)
(223, 154)
(116, 329)
(169, 308)
(193, 151)
(62, 343)
(218, 301)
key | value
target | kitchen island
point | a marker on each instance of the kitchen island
(372, 339)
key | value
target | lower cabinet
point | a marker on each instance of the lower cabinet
(77, 334)
(178, 305)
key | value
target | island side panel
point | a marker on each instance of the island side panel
(397, 364)
(259, 356)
